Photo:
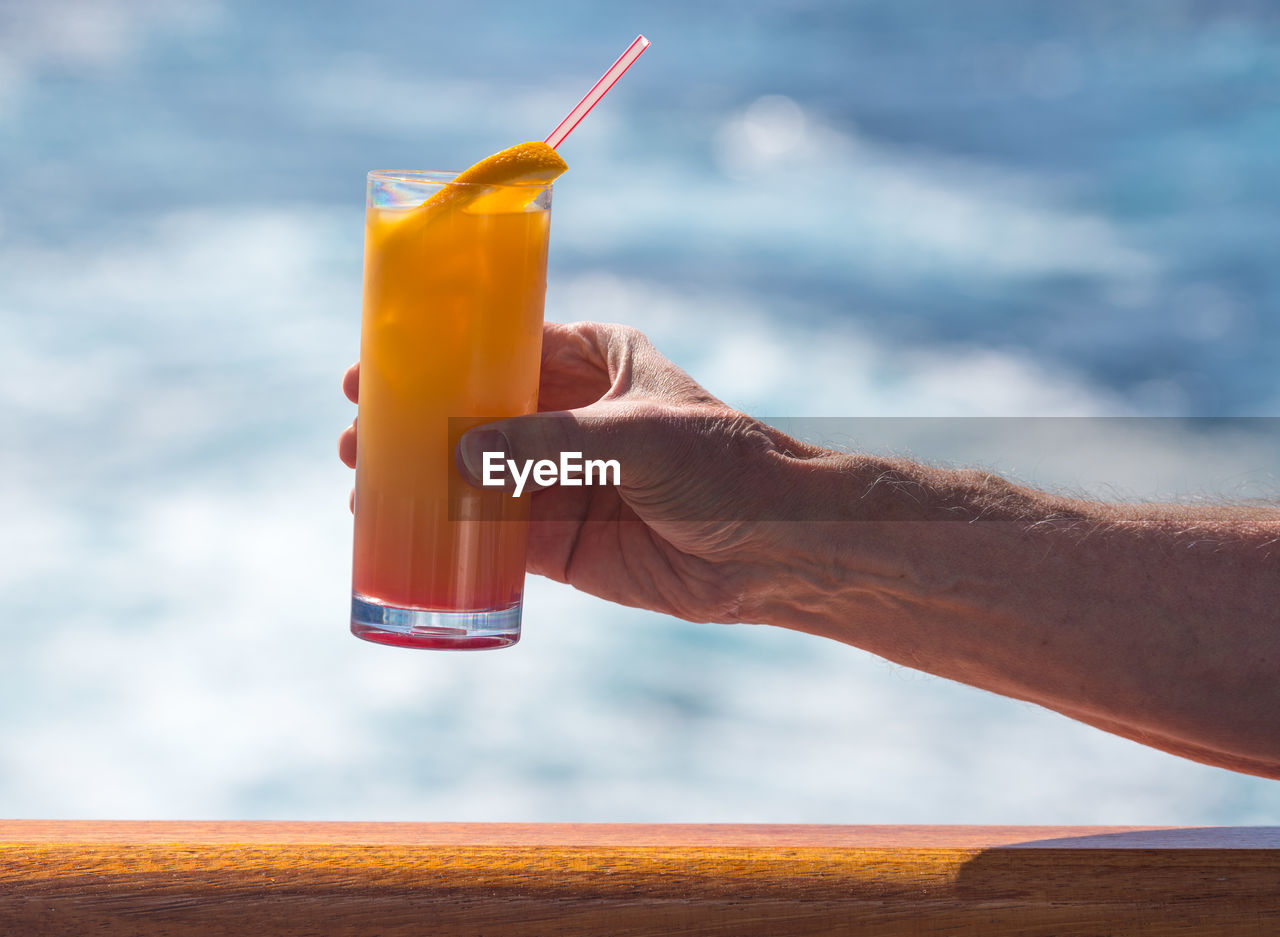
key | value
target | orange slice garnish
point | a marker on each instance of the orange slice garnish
(530, 165)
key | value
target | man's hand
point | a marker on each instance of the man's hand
(679, 534)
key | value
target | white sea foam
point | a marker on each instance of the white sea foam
(95, 36)
(770, 360)
(809, 195)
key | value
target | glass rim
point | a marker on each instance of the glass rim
(439, 177)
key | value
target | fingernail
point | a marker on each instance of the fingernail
(472, 447)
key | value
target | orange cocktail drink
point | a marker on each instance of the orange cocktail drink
(455, 275)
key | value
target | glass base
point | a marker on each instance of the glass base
(432, 628)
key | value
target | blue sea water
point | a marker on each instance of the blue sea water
(847, 209)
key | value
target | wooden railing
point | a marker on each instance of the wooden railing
(345, 879)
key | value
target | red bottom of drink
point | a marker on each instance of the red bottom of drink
(434, 629)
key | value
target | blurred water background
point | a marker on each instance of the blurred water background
(858, 209)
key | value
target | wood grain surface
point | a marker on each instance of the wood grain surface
(340, 879)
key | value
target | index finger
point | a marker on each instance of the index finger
(351, 383)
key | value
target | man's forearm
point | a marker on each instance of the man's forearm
(1160, 623)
